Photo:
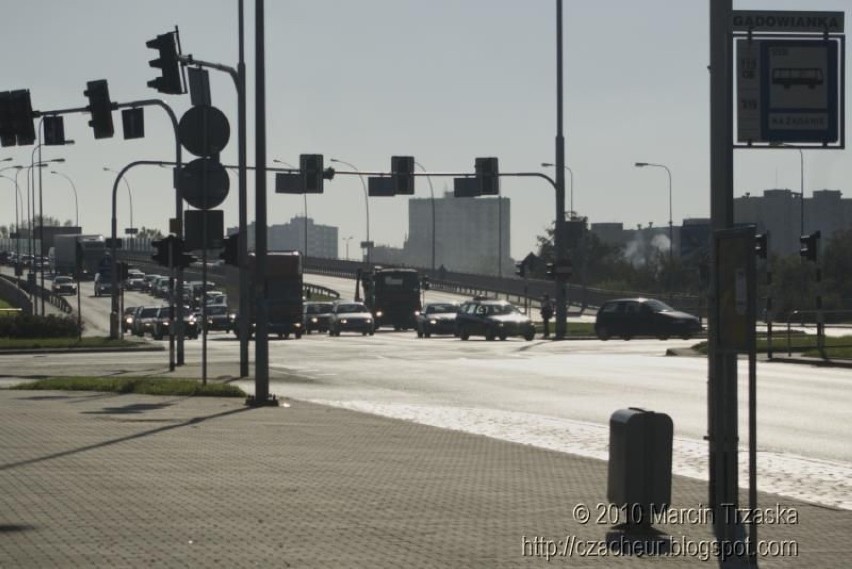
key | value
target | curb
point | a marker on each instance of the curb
(24, 351)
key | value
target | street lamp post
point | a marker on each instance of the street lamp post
(31, 193)
(130, 198)
(366, 207)
(17, 192)
(671, 226)
(571, 209)
(305, 254)
(432, 199)
(76, 202)
(347, 240)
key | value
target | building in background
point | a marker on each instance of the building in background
(322, 239)
(468, 234)
(780, 212)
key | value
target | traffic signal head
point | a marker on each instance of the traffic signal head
(809, 245)
(163, 246)
(231, 252)
(101, 108)
(425, 285)
(551, 270)
(54, 131)
(402, 171)
(488, 176)
(311, 168)
(170, 81)
(521, 269)
(761, 245)
(184, 260)
(22, 117)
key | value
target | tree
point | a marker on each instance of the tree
(149, 233)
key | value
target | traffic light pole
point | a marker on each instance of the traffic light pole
(238, 75)
(559, 233)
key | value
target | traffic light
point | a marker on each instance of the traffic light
(551, 270)
(170, 81)
(425, 285)
(101, 108)
(761, 244)
(521, 269)
(21, 110)
(402, 171)
(311, 168)
(184, 260)
(164, 246)
(809, 245)
(123, 269)
(54, 131)
(488, 176)
(231, 252)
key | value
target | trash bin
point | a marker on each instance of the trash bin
(640, 463)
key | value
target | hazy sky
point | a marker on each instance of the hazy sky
(442, 80)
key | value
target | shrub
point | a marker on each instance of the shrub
(35, 326)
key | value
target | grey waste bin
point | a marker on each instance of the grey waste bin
(640, 463)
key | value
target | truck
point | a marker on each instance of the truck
(283, 293)
(391, 294)
(93, 250)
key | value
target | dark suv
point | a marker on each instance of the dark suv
(629, 317)
(492, 319)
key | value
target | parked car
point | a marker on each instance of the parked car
(317, 315)
(492, 319)
(436, 318)
(631, 317)
(351, 317)
(63, 285)
(218, 317)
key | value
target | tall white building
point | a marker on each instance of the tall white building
(471, 234)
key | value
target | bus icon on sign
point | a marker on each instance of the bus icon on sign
(788, 77)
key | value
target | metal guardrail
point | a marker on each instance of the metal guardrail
(448, 281)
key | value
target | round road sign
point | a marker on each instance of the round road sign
(192, 126)
(204, 183)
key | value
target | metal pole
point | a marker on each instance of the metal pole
(801, 192)
(722, 367)
(41, 218)
(261, 345)
(432, 194)
(245, 293)
(559, 227)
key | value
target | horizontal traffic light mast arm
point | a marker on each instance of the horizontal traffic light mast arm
(189, 60)
(451, 175)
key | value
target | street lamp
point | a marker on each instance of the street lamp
(130, 197)
(432, 194)
(347, 240)
(305, 195)
(671, 227)
(76, 202)
(31, 192)
(801, 183)
(366, 206)
(17, 191)
(571, 178)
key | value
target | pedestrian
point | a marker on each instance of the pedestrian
(546, 314)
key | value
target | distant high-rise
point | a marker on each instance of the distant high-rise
(322, 239)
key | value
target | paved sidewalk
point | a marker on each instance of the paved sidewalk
(105, 480)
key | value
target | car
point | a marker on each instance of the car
(149, 281)
(135, 280)
(492, 319)
(103, 284)
(144, 319)
(63, 285)
(350, 317)
(316, 316)
(127, 317)
(436, 318)
(218, 317)
(160, 327)
(631, 317)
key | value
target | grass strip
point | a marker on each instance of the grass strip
(139, 385)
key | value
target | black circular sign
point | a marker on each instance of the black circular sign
(194, 123)
(204, 183)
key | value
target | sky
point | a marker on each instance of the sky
(444, 81)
